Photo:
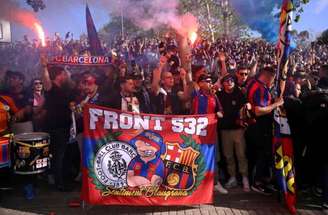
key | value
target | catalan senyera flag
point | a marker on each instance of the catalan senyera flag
(94, 42)
(144, 159)
(282, 141)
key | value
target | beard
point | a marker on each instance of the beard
(67, 85)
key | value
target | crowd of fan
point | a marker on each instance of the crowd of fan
(231, 78)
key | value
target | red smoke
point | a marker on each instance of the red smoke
(12, 12)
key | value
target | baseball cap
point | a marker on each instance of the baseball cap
(204, 77)
(228, 77)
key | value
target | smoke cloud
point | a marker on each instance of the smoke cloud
(152, 14)
(259, 16)
(11, 11)
(146, 14)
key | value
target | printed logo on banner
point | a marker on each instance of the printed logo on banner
(180, 166)
(147, 161)
(111, 163)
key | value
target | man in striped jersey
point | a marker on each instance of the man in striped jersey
(204, 101)
(260, 133)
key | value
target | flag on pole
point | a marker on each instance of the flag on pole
(285, 43)
(94, 42)
(282, 141)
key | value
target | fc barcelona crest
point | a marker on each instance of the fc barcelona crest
(180, 166)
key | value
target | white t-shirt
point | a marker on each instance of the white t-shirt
(130, 104)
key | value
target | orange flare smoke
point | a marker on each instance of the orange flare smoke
(40, 33)
(193, 37)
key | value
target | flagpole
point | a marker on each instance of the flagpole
(122, 20)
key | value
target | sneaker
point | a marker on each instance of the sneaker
(261, 189)
(29, 192)
(272, 187)
(325, 206)
(246, 184)
(317, 191)
(232, 182)
(5, 184)
(6, 187)
(218, 187)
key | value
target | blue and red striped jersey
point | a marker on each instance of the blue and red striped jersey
(147, 170)
(258, 94)
(204, 104)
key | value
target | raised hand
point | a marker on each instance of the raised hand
(221, 57)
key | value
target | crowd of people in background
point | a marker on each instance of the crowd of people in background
(232, 78)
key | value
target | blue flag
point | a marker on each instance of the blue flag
(94, 42)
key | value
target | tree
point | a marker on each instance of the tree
(324, 37)
(214, 18)
(114, 28)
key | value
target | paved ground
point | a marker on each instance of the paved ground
(49, 201)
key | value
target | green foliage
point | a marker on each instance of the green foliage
(201, 169)
(211, 16)
(298, 8)
(323, 39)
(110, 31)
(208, 12)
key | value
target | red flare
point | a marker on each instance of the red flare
(40, 33)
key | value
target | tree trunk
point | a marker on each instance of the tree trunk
(209, 21)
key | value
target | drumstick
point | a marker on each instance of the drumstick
(33, 161)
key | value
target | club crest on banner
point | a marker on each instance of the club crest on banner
(111, 163)
(180, 166)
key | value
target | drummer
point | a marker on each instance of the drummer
(8, 112)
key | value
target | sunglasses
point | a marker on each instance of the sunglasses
(38, 83)
(207, 81)
(243, 74)
(229, 80)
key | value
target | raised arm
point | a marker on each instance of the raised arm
(187, 85)
(252, 71)
(155, 86)
(45, 73)
(222, 64)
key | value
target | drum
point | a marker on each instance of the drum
(22, 127)
(31, 153)
(4, 152)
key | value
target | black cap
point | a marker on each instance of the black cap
(204, 77)
(228, 77)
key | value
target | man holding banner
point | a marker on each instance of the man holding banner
(204, 101)
(260, 133)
